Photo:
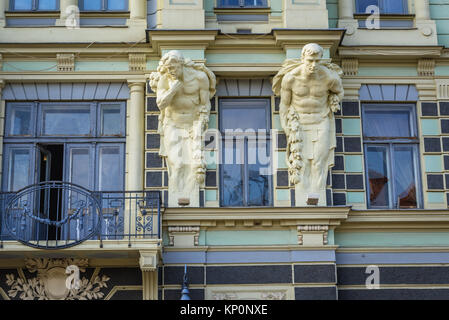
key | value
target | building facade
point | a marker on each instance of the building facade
(84, 186)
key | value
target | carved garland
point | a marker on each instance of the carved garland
(49, 284)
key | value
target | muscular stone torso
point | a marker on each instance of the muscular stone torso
(183, 108)
(310, 95)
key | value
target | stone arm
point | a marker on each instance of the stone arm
(284, 105)
(336, 94)
(204, 106)
(165, 92)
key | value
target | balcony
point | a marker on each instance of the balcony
(61, 215)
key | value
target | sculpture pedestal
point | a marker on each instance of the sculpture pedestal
(301, 197)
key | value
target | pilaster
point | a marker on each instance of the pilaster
(3, 5)
(148, 262)
(305, 14)
(346, 16)
(135, 135)
(68, 8)
(182, 14)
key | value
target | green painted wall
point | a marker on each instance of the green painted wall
(388, 71)
(332, 9)
(253, 237)
(439, 11)
(19, 66)
(390, 239)
(217, 58)
(101, 66)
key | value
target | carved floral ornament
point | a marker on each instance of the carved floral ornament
(50, 282)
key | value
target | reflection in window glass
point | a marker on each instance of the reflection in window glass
(233, 173)
(22, 5)
(19, 169)
(67, 121)
(92, 5)
(110, 117)
(80, 167)
(110, 175)
(379, 123)
(385, 6)
(47, 5)
(20, 120)
(404, 178)
(244, 118)
(378, 176)
(117, 5)
(255, 3)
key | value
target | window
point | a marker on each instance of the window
(391, 156)
(34, 5)
(385, 6)
(245, 152)
(103, 5)
(242, 3)
(82, 143)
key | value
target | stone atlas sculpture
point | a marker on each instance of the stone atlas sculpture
(311, 90)
(183, 91)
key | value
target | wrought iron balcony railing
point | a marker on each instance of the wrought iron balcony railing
(56, 215)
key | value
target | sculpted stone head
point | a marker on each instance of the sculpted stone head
(311, 55)
(172, 63)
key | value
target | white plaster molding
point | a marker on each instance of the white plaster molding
(442, 89)
(137, 62)
(148, 260)
(427, 90)
(426, 67)
(266, 292)
(66, 62)
(183, 236)
(313, 235)
(350, 66)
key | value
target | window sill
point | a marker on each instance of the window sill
(385, 16)
(102, 14)
(240, 10)
(32, 14)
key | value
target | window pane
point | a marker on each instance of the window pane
(258, 172)
(244, 118)
(393, 6)
(232, 171)
(117, 5)
(378, 123)
(67, 121)
(378, 176)
(111, 121)
(228, 3)
(404, 177)
(47, 5)
(363, 4)
(255, 3)
(110, 175)
(92, 5)
(19, 169)
(22, 5)
(20, 120)
(80, 167)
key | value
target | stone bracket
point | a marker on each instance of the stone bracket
(66, 62)
(137, 62)
(313, 235)
(183, 236)
(148, 260)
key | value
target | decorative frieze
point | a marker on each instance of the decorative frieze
(183, 236)
(57, 279)
(426, 67)
(66, 62)
(137, 62)
(350, 66)
(313, 235)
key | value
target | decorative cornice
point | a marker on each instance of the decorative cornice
(192, 231)
(254, 217)
(66, 62)
(390, 52)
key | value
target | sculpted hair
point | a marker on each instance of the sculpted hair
(311, 49)
(173, 55)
